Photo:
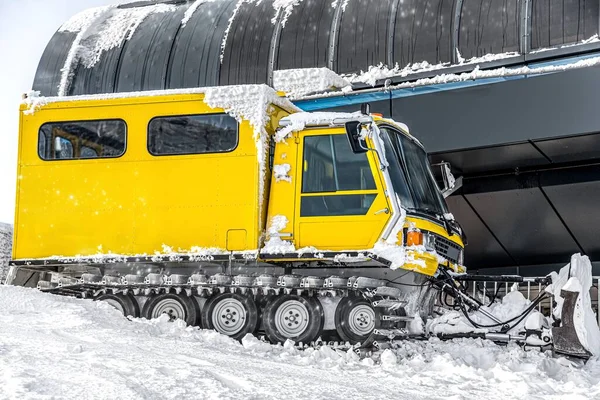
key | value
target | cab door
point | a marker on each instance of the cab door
(342, 205)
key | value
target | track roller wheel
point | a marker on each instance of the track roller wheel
(293, 317)
(124, 303)
(231, 314)
(175, 306)
(355, 319)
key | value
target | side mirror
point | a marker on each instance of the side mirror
(358, 144)
(451, 184)
(448, 177)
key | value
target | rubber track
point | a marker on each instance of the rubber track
(384, 332)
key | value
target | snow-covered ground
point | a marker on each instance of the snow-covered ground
(5, 248)
(57, 347)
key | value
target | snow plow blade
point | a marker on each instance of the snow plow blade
(566, 340)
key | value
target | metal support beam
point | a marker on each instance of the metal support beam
(334, 37)
(392, 33)
(456, 29)
(525, 27)
(274, 50)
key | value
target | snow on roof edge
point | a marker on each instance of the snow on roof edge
(473, 75)
(34, 101)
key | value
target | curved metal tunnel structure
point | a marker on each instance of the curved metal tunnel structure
(528, 147)
(180, 44)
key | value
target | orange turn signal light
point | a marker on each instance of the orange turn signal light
(377, 115)
(414, 238)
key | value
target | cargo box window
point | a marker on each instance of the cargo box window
(82, 140)
(192, 134)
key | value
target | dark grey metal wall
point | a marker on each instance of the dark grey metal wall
(349, 37)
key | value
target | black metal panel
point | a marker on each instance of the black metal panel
(423, 32)
(246, 54)
(363, 35)
(98, 79)
(556, 22)
(101, 77)
(48, 74)
(489, 27)
(483, 250)
(311, 21)
(525, 224)
(569, 149)
(512, 111)
(145, 58)
(370, 32)
(578, 206)
(195, 59)
(491, 158)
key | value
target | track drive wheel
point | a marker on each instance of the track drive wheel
(293, 317)
(355, 319)
(126, 304)
(231, 314)
(175, 306)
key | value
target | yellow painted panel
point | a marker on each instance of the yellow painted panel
(138, 202)
(236, 240)
(282, 198)
(359, 232)
(339, 235)
(424, 263)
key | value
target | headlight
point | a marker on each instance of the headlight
(461, 257)
(429, 241)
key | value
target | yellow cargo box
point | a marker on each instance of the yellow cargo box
(144, 173)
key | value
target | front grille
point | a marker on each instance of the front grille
(447, 249)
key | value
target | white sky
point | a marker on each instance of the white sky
(26, 26)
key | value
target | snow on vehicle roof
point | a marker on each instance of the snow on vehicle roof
(323, 118)
(240, 100)
(300, 120)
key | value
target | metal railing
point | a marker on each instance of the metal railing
(495, 291)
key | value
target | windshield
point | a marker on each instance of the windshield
(411, 174)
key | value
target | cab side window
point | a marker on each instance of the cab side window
(82, 140)
(331, 170)
(331, 166)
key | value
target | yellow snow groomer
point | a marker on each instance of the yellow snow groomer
(229, 209)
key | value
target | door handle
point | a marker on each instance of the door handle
(384, 210)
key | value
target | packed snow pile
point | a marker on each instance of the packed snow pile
(5, 249)
(577, 277)
(58, 347)
(304, 81)
(511, 306)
